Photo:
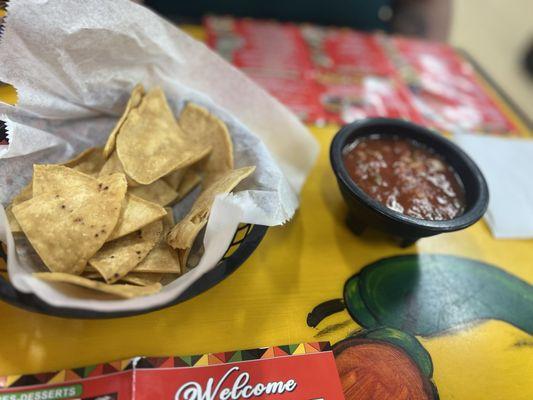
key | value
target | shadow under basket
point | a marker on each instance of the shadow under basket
(244, 242)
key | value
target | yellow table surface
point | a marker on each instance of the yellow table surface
(266, 302)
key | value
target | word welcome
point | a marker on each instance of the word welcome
(241, 389)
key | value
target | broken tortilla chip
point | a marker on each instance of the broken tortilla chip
(67, 225)
(162, 258)
(124, 291)
(135, 214)
(118, 257)
(168, 218)
(175, 177)
(112, 165)
(203, 128)
(13, 223)
(142, 279)
(134, 101)
(25, 193)
(183, 234)
(89, 161)
(189, 182)
(158, 192)
(150, 143)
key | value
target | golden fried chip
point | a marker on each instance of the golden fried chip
(113, 164)
(13, 223)
(118, 257)
(135, 214)
(162, 258)
(175, 177)
(134, 101)
(150, 144)
(67, 225)
(168, 220)
(91, 273)
(124, 291)
(89, 161)
(203, 128)
(189, 182)
(142, 279)
(26, 193)
(183, 234)
(48, 178)
(158, 192)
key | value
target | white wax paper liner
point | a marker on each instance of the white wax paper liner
(74, 64)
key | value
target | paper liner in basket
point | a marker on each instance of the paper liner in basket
(74, 64)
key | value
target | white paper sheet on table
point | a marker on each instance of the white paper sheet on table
(507, 165)
(73, 65)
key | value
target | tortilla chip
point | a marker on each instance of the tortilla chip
(175, 177)
(203, 128)
(25, 193)
(112, 165)
(142, 279)
(91, 273)
(162, 258)
(134, 278)
(134, 101)
(168, 220)
(158, 192)
(51, 178)
(124, 291)
(135, 214)
(183, 234)
(67, 225)
(150, 144)
(89, 161)
(120, 256)
(189, 182)
(13, 223)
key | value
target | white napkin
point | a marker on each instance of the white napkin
(508, 168)
(74, 63)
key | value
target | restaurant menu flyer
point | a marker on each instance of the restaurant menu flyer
(336, 75)
(304, 371)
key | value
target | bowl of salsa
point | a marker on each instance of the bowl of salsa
(406, 180)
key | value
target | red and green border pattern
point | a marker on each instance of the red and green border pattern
(75, 374)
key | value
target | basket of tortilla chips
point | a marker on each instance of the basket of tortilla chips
(103, 220)
(121, 198)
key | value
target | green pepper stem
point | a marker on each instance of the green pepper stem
(324, 310)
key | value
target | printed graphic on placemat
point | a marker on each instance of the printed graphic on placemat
(299, 371)
(337, 75)
(399, 300)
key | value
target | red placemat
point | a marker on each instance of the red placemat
(338, 75)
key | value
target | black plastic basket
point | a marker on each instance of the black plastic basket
(244, 242)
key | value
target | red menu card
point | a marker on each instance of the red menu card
(303, 371)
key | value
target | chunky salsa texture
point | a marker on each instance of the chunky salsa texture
(406, 176)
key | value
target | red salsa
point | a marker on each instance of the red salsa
(405, 176)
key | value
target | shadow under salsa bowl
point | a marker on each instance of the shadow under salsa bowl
(364, 211)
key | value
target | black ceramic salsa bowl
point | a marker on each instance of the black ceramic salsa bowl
(364, 211)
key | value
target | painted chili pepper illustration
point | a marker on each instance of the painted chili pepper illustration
(429, 294)
(384, 363)
(396, 298)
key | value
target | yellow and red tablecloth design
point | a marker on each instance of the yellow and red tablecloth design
(266, 302)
